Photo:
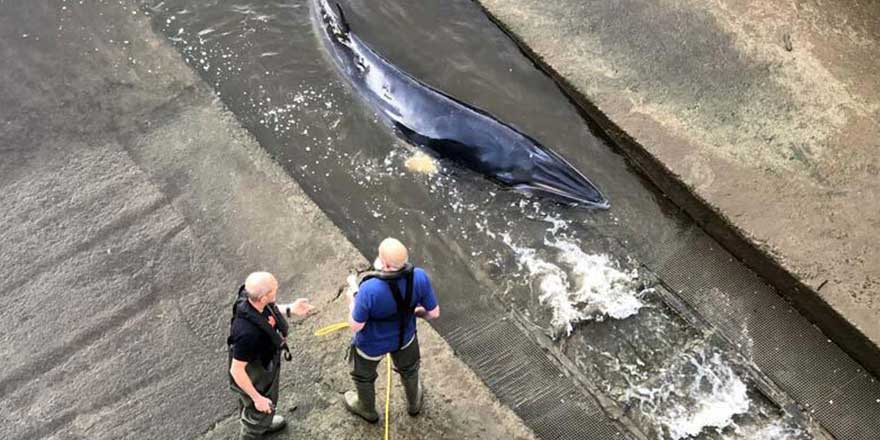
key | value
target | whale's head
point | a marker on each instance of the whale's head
(553, 177)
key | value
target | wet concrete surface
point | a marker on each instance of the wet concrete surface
(758, 118)
(124, 238)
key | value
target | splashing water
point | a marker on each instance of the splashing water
(701, 392)
(582, 287)
(775, 430)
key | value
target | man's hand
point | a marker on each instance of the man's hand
(238, 370)
(263, 404)
(301, 307)
(427, 314)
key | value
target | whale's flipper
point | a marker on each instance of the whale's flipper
(343, 23)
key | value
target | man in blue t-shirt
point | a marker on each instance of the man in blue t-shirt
(383, 317)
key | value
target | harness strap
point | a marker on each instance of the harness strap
(404, 304)
(281, 327)
(240, 309)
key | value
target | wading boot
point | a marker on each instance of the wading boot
(278, 424)
(414, 396)
(363, 402)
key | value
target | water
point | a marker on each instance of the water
(575, 273)
(580, 287)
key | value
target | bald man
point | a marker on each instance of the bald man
(383, 318)
(257, 335)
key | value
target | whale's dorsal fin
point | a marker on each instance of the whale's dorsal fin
(343, 23)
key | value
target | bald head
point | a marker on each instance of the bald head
(393, 254)
(260, 284)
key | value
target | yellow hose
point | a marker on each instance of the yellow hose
(387, 394)
(331, 328)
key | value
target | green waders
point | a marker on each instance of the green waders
(254, 423)
(406, 362)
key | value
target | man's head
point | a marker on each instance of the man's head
(392, 255)
(261, 288)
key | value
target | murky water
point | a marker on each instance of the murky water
(575, 273)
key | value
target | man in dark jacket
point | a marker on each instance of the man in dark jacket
(383, 317)
(257, 336)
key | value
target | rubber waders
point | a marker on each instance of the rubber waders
(414, 396)
(362, 402)
(278, 423)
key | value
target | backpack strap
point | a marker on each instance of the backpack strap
(404, 304)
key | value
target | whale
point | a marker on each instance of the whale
(446, 126)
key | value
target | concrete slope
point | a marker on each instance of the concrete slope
(133, 206)
(759, 118)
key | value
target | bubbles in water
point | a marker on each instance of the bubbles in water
(557, 223)
(581, 287)
(701, 391)
(774, 430)
(373, 172)
(598, 281)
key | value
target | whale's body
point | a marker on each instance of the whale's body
(452, 129)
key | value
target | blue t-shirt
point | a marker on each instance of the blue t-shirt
(374, 305)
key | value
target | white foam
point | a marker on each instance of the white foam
(704, 392)
(773, 430)
(557, 224)
(600, 282)
(581, 286)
